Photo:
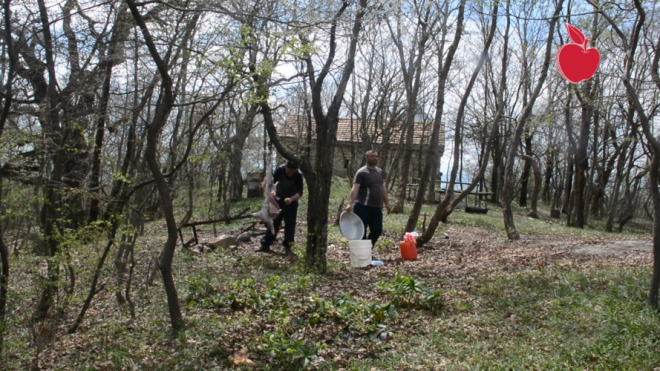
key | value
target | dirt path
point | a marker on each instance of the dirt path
(618, 248)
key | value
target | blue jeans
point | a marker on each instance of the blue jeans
(372, 217)
(289, 213)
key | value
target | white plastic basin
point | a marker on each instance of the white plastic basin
(351, 226)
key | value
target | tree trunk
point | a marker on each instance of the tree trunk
(4, 279)
(597, 190)
(527, 169)
(317, 225)
(557, 185)
(619, 149)
(404, 170)
(121, 30)
(8, 97)
(655, 192)
(549, 168)
(568, 184)
(612, 206)
(533, 212)
(243, 129)
(49, 213)
(582, 158)
(164, 106)
(570, 156)
(497, 171)
(630, 191)
(435, 177)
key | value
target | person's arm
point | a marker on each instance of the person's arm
(352, 197)
(386, 201)
(299, 190)
(289, 200)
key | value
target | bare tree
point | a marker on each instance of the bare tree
(65, 144)
(166, 102)
(608, 160)
(121, 29)
(411, 69)
(446, 206)
(507, 192)
(163, 108)
(621, 153)
(433, 153)
(630, 44)
(7, 96)
(587, 97)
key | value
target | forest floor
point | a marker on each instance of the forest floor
(461, 250)
(459, 263)
(559, 298)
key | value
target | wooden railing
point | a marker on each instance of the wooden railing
(413, 189)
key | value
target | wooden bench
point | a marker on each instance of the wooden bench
(194, 225)
(413, 189)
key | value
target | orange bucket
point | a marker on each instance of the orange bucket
(408, 250)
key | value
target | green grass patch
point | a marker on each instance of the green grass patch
(555, 319)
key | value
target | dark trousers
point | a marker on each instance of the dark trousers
(289, 214)
(372, 217)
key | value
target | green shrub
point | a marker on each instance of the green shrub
(289, 352)
(377, 312)
(407, 291)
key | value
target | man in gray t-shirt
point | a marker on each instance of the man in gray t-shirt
(368, 196)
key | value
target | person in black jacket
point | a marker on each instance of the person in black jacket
(288, 190)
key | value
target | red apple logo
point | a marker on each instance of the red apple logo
(576, 61)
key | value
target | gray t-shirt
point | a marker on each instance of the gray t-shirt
(371, 186)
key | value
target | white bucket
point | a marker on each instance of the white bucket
(360, 251)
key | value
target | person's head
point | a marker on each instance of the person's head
(291, 168)
(371, 157)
